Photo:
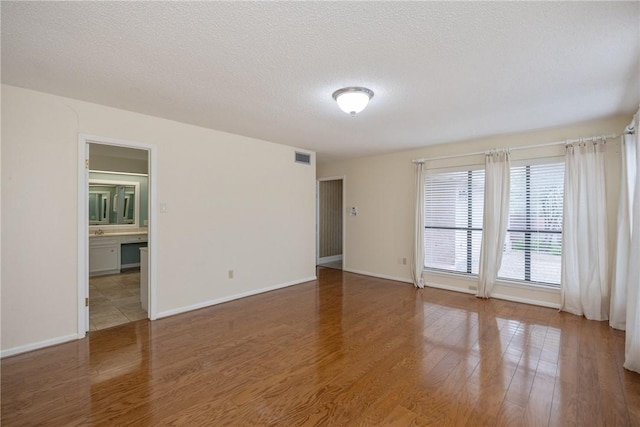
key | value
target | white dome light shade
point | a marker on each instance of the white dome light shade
(352, 100)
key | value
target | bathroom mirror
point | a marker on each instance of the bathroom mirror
(98, 207)
(113, 203)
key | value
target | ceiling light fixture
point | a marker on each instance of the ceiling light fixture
(352, 100)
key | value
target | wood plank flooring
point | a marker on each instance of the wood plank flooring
(343, 350)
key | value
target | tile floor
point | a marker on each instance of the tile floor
(115, 299)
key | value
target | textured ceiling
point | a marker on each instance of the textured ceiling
(441, 71)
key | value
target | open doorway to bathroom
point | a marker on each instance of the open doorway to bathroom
(118, 194)
(116, 200)
(330, 221)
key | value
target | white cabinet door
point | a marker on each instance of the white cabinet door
(104, 259)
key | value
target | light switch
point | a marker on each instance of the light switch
(163, 208)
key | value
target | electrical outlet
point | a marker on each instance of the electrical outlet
(404, 261)
(230, 274)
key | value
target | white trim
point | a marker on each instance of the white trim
(119, 173)
(456, 274)
(209, 303)
(37, 345)
(83, 223)
(496, 296)
(344, 220)
(379, 276)
(473, 278)
(152, 240)
(82, 278)
(329, 259)
(317, 222)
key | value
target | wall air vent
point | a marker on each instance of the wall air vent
(303, 158)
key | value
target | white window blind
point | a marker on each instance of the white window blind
(533, 245)
(453, 206)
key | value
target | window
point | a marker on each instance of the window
(533, 245)
(453, 206)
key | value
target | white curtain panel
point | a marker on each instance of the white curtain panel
(632, 343)
(497, 180)
(417, 260)
(584, 244)
(618, 308)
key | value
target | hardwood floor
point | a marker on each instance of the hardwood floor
(345, 350)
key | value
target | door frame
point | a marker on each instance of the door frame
(344, 216)
(83, 222)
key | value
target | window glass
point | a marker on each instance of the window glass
(454, 202)
(533, 245)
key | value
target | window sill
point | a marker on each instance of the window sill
(500, 282)
(456, 274)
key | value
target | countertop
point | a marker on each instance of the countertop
(116, 233)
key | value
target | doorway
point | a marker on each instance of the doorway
(330, 223)
(116, 230)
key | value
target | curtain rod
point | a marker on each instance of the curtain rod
(524, 147)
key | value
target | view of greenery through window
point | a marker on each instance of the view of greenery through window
(533, 246)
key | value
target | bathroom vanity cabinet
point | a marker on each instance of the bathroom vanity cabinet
(104, 255)
(105, 251)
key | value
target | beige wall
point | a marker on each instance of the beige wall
(381, 187)
(230, 200)
(330, 218)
